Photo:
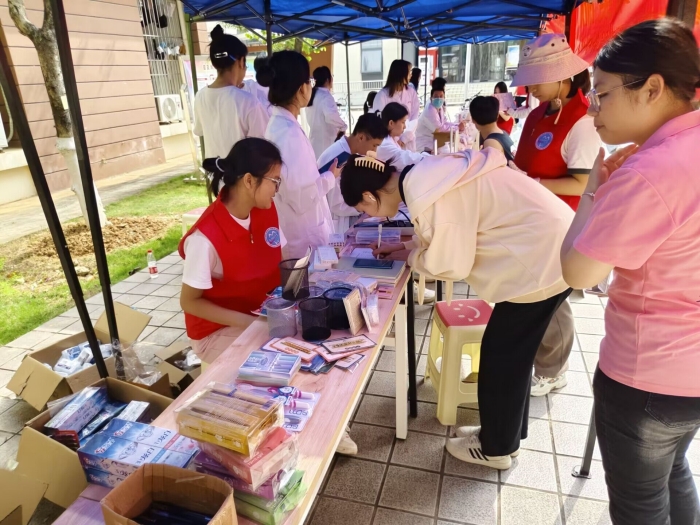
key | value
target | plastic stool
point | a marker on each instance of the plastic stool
(189, 218)
(457, 329)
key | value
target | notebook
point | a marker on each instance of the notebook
(383, 276)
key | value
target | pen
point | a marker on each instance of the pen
(379, 242)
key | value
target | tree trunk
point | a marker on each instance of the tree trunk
(44, 41)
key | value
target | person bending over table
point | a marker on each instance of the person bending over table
(480, 221)
(232, 253)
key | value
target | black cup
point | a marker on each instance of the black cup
(338, 316)
(314, 319)
(295, 281)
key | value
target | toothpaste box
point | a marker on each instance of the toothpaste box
(80, 411)
(100, 477)
(150, 435)
(122, 457)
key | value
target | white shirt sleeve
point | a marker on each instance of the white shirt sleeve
(414, 110)
(332, 115)
(581, 146)
(283, 239)
(200, 261)
(380, 101)
(256, 120)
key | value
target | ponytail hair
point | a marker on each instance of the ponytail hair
(225, 50)
(321, 76)
(251, 155)
(369, 102)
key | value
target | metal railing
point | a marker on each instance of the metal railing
(163, 39)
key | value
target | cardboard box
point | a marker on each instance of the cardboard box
(162, 386)
(48, 461)
(20, 497)
(37, 385)
(167, 484)
(178, 377)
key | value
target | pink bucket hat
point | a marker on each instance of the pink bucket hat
(548, 58)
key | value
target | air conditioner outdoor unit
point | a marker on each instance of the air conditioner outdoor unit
(169, 108)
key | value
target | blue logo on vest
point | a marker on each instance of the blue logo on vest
(544, 140)
(272, 237)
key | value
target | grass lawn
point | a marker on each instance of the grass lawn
(29, 299)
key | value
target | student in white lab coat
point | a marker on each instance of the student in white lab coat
(325, 124)
(260, 85)
(433, 119)
(301, 202)
(394, 116)
(223, 113)
(368, 134)
(396, 90)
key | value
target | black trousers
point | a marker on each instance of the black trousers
(508, 349)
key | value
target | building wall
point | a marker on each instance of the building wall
(114, 84)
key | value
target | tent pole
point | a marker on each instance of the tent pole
(24, 132)
(268, 27)
(425, 86)
(64, 51)
(347, 73)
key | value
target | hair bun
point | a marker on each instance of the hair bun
(217, 32)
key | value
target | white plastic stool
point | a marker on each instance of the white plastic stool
(189, 218)
(457, 329)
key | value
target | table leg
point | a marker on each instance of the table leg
(411, 346)
(400, 329)
(584, 470)
(438, 292)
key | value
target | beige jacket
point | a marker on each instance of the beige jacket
(480, 221)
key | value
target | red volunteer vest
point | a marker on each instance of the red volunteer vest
(250, 260)
(505, 125)
(539, 150)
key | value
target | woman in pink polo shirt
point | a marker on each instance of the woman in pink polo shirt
(640, 215)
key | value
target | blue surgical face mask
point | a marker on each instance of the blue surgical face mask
(437, 102)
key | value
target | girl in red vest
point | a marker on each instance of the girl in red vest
(505, 121)
(232, 253)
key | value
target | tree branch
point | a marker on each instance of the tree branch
(47, 24)
(19, 17)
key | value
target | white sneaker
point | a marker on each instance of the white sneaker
(468, 432)
(541, 386)
(468, 449)
(347, 447)
(428, 296)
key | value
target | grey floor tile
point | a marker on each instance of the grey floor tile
(525, 507)
(170, 305)
(175, 269)
(570, 409)
(175, 281)
(5, 376)
(584, 299)
(355, 479)
(426, 391)
(377, 410)
(570, 439)
(150, 303)
(576, 362)
(420, 451)
(74, 328)
(591, 311)
(372, 442)
(56, 324)
(146, 332)
(331, 511)
(387, 361)
(177, 321)
(578, 385)
(424, 311)
(382, 384)
(590, 343)
(533, 470)
(421, 365)
(461, 468)
(138, 277)
(589, 326)
(30, 339)
(8, 453)
(129, 299)
(467, 417)
(147, 288)
(123, 287)
(410, 490)
(426, 420)
(579, 511)
(168, 290)
(171, 259)
(538, 408)
(468, 501)
(6, 404)
(159, 317)
(96, 299)
(52, 339)
(13, 364)
(591, 361)
(539, 436)
(593, 488)
(394, 517)
(421, 326)
(5, 436)
(8, 354)
(164, 336)
(13, 419)
(96, 314)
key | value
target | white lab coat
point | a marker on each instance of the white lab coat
(343, 215)
(301, 203)
(430, 121)
(389, 150)
(408, 97)
(223, 116)
(251, 86)
(324, 121)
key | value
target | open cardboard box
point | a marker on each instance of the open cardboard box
(177, 376)
(48, 461)
(168, 484)
(20, 497)
(37, 385)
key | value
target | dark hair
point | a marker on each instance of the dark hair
(356, 180)
(396, 79)
(432, 91)
(225, 49)
(250, 155)
(370, 101)
(321, 76)
(484, 110)
(501, 87)
(262, 73)
(438, 84)
(581, 82)
(393, 111)
(415, 76)
(665, 47)
(372, 125)
(289, 71)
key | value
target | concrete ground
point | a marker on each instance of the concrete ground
(24, 217)
(393, 482)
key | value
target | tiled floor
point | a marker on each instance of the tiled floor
(394, 482)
